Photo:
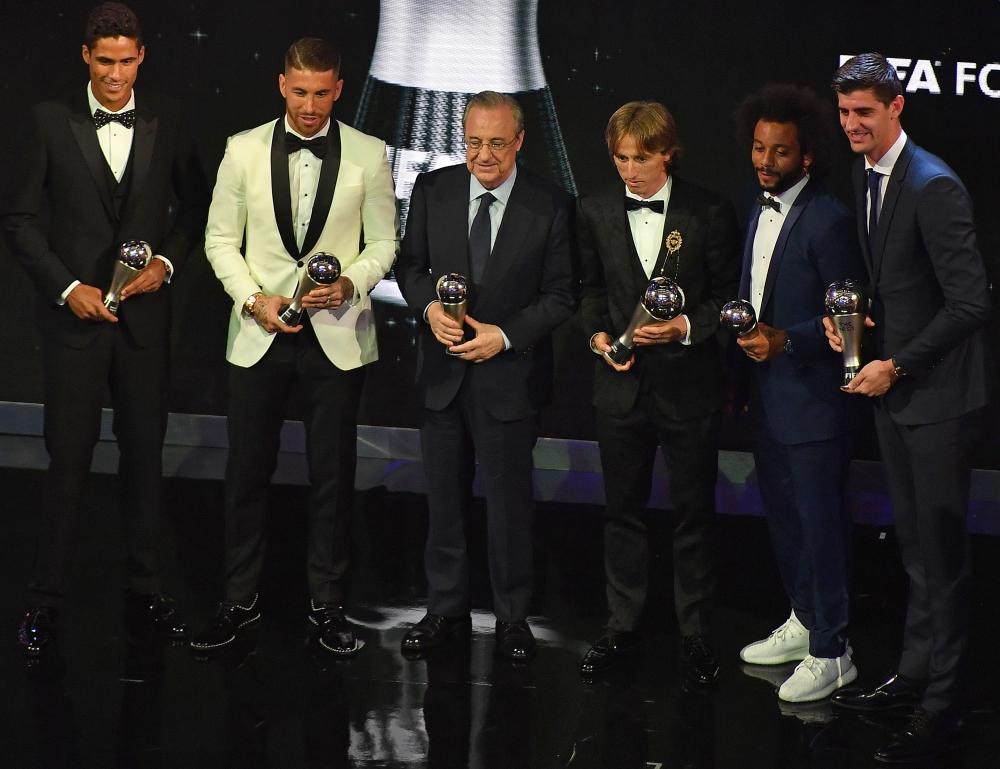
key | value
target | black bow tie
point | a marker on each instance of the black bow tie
(317, 146)
(126, 118)
(631, 204)
(768, 202)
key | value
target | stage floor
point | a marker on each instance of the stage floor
(106, 702)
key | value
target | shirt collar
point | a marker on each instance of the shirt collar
(321, 132)
(661, 194)
(501, 193)
(96, 105)
(787, 198)
(886, 163)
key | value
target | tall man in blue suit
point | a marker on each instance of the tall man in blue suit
(509, 232)
(930, 300)
(799, 240)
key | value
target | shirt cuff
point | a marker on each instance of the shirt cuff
(687, 334)
(426, 309)
(65, 294)
(168, 264)
(506, 341)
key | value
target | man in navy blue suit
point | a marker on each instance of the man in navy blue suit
(930, 301)
(799, 240)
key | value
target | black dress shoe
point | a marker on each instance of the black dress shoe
(37, 631)
(153, 613)
(697, 661)
(895, 694)
(612, 647)
(515, 641)
(433, 631)
(926, 736)
(332, 631)
(230, 620)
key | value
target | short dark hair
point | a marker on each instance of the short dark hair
(868, 70)
(786, 103)
(494, 100)
(313, 54)
(112, 20)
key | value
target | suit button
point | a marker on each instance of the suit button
(299, 264)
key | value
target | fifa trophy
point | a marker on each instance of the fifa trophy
(453, 293)
(662, 300)
(845, 301)
(322, 269)
(739, 317)
(133, 258)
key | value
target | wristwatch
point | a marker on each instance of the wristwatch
(250, 302)
(787, 348)
(898, 371)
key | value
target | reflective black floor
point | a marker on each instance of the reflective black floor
(110, 701)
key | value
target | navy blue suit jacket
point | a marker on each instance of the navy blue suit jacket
(817, 245)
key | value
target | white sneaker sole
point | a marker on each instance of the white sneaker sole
(821, 694)
(751, 657)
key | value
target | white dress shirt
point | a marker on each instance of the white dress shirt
(647, 232)
(769, 226)
(884, 166)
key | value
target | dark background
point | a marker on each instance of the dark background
(700, 58)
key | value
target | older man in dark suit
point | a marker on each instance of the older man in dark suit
(110, 164)
(799, 240)
(930, 300)
(509, 232)
(670, 392)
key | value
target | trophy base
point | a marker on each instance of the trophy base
(290, 317)
(620, 353)
(112, 306)
(447, 350)
(849, 374)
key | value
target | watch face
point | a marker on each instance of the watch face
(788, 346)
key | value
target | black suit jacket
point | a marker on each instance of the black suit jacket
(60, 163)
(930, 289)
(686, 380)
(526, 289)
(817, 245)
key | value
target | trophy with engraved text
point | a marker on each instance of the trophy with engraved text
(662, 300)
(322, 269)
(133, 258)
(845, 301)
(739, 317)
(453, 293)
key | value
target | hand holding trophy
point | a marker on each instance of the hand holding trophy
(845, 301)
(453, 293)
(133, 258)
(322, 269)
(739, 317)
(662, 300)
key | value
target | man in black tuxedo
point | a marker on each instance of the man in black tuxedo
(800, 239)
(930, 300)
(669, 392)
(110, 163)
(508, 231)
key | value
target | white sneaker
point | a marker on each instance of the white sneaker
(788, 643)
(816, 678)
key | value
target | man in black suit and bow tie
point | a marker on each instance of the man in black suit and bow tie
(507, 230)
(290, 188)
(109, 162)
(669, 392)
(930, 301)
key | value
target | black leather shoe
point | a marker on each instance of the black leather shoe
(697, 661)
(894, 694)
(515, 641)
(153, 613)
(926, 736)
(610, 648)
(433, 631)
(332, 631)
(37, 631)
(230, 620)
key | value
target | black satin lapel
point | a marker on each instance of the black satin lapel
(143, 144)
(676, 220)
(620, 235)
(325, 188)
(86, 137)
(281, 194)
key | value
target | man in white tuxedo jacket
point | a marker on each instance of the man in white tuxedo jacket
(285, 191)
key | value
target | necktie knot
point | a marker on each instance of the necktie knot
(631, 204)
(766, 201)
(317, 146)
(126, 118)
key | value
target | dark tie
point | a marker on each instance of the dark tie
(317, 146)
(479, 237)
(631, 204)
(766, 201)
(126, 118)
(874, 177)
